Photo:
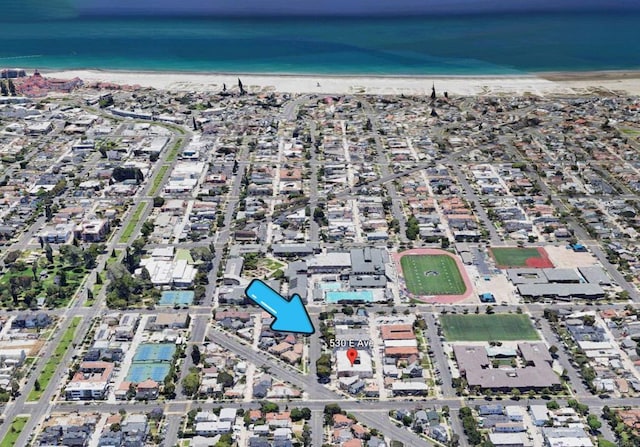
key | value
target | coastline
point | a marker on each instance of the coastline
(624, 81)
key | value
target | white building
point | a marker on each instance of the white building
(539, 414)
(362, 367)
(213, 428)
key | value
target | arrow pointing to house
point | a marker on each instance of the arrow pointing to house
(290, 315)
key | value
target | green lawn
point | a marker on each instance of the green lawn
(12, 435)
(514, 256)
(157, 180)
(432, 275)
(484, 327)
(53, 362)
(112, 259)
(631, 132)
(38, 285)
(95, 291)
(272, 264)
(133, 222)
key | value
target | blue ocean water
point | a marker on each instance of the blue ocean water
(457, 45)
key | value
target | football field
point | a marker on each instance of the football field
(432, 275)
(483, 327)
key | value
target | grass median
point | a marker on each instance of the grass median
(13, 434)
(53, 362)
(174, 150)
(157, 180)
(133, 222)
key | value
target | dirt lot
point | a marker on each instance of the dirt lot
(563, 258)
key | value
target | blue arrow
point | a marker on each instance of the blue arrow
(290, 316)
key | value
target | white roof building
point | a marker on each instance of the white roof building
(227, 414)
(509, 440)
(362, 367)
(514, 412)
(539, 414)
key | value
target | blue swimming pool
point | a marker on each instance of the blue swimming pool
(333, 285)
(363, 295)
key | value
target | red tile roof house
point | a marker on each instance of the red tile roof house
(147, 390)
(340, 421)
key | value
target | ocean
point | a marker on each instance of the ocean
(438, 45)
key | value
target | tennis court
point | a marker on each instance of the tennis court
(152, 352)
(173, 297)
(139, 372)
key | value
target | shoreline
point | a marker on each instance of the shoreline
(553, 82)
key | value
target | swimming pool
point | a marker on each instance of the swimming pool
(333, 285)
(363, 295)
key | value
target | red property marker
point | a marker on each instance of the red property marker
(352, 355)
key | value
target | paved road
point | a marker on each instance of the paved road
(383, 164)
(472, 197)
(317, 430)
(314, 228)
(456, 426)
(575, 379)
(440, 359)
(315, 345)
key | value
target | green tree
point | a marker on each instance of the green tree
(170, 389)
(147, 228)
(48, 252)
(225, 440)
(190, 383)
(195, 355)
(225, 379)
(269, 407)
(296, 415)
(413, 228)
(62, 278)
(594, 423)
(329, 411)
(34, 270)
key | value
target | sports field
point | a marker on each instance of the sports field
(508, 257)
(483, 327)
(432, 275)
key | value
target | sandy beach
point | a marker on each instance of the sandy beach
(546, 83)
